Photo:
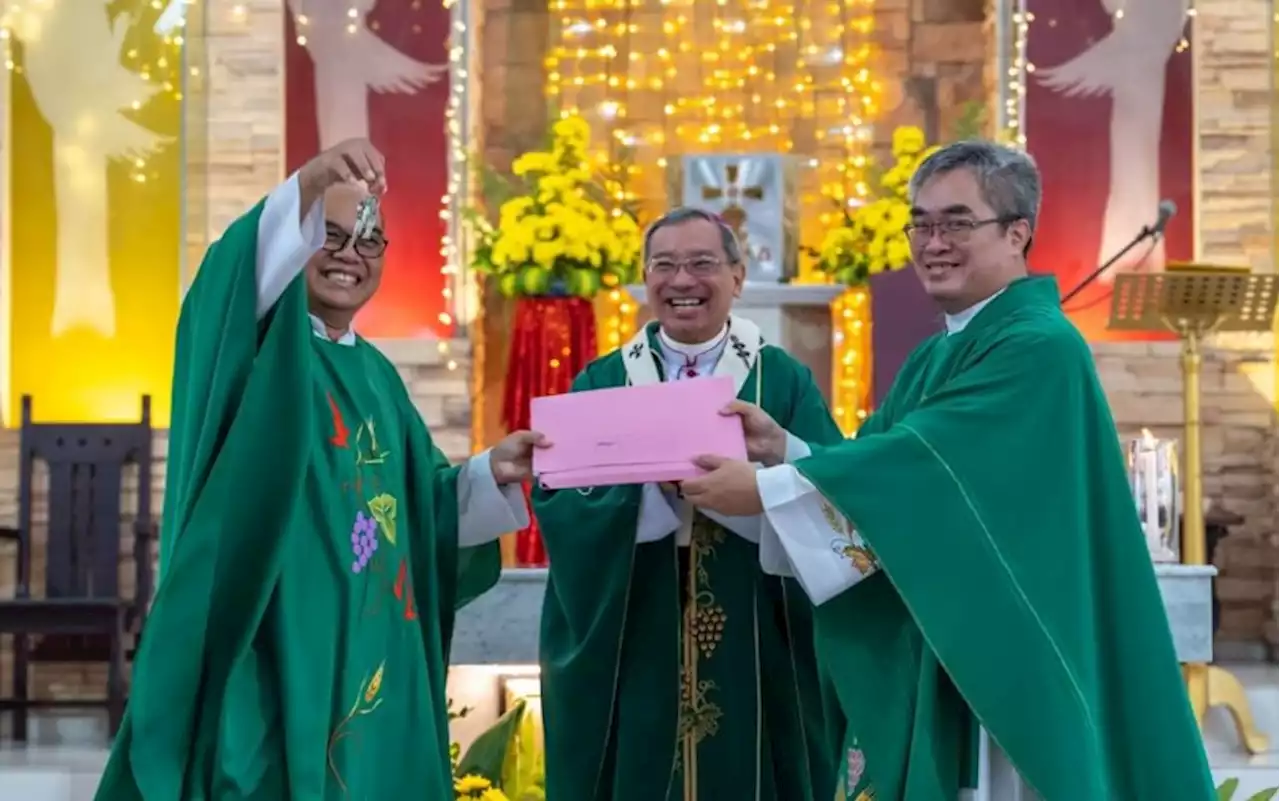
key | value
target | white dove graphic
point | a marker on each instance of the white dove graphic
(1128, 64)
(81, 97)
(350, 61)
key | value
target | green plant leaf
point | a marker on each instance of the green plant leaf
(522, 774)
(1228, 789)
(488, 753)
(1264, 795)
(972, 123)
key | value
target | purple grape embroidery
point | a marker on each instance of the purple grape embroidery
(364, 541)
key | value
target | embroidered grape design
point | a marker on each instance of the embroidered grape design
(708, 629)
(364, 541)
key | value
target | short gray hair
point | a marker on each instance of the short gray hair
(683, 214)
(1007, 177)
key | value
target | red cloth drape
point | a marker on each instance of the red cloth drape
(551, 341)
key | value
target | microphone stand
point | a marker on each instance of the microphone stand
(1146, 232)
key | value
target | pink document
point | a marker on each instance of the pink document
(634, 435)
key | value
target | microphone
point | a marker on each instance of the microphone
(1164, 212)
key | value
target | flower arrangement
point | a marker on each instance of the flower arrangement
(559, 232)
(871, 240)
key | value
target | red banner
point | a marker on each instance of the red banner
(1109, 119)
(360, 68)
(552, 340)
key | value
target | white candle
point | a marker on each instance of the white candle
(1151, 511)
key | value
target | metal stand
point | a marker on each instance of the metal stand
(1194, 302)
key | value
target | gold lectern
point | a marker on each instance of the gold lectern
(1195, 301)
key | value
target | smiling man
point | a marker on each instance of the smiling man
(315, 541)
(673, 669)
(974, 553)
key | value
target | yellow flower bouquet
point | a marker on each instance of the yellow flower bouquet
(871, 238)
(560, 235)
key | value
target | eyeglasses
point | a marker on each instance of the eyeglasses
(953, 230)
(698, 267)
(370, 247)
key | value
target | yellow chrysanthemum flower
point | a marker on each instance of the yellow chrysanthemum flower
(572, 129)
(533, 162)
(898, 252)
(560, 225)
(908, 139)
(471, 784)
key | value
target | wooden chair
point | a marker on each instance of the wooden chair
(81, 615)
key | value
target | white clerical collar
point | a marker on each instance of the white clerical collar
(685, 360)
(317, 325)
(694, 350)
(957, 322)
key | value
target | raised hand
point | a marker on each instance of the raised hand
(766, 440)
(354, 161)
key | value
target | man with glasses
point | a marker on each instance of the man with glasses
(673, 668)
(315, 541)
(986, 605)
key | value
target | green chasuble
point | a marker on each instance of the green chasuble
(1015, 587)
(681, 673)
(298, 641)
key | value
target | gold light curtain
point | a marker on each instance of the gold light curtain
(660, 79)
(94, 205)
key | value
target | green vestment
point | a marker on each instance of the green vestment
(298, 641)
(681, 674)
(1016, 585)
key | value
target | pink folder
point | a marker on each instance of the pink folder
(634, 435)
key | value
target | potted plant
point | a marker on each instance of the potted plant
(504, 763)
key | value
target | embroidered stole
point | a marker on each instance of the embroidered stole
(740, 355)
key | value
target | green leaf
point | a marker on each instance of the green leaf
(1228, 789)
(523, 771)
(972, 122)
(488, 753)
(1264, 795)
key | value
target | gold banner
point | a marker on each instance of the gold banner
(95, 205)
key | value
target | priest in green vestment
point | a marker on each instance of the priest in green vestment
(673, 668)
(315, 541)
(986, 606)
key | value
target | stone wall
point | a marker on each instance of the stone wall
(513, 41)
(1144, 386)
(1236, 113)
(932, 61)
